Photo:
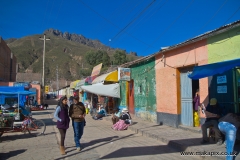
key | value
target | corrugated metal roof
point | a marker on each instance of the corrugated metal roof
(192, 40)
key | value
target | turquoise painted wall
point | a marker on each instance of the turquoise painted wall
(224, 46)
(143, 75)
(123, 100)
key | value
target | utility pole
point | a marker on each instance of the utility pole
(44, 40)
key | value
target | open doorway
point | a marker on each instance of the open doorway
(195, 89)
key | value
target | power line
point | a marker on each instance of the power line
(125, 13)
(113, 23)
(171, 24)
(153, 13)
(141, 20)
(213, 16)
(6, 33)
(98, 14)
(203, 27)
(98, 29)
(58, 13)
(45, 14)
(49, 15)
(231, 15)
(133, 20)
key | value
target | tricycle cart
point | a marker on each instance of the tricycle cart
(8, 121)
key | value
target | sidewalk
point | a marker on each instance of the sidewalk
(100, 141)
(184, 138)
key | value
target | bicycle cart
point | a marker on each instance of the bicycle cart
(8, 120)
(32, 126)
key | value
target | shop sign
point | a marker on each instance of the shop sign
(124, 74)
(221, 89)
(96, 70)
(221, 79)
(26, 85)
(46, 89)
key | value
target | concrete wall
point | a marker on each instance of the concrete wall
(143, 75)
(168, 79)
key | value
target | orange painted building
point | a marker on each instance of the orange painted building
(175, 90)
(171, 68)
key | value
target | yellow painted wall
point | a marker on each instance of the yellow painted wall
(224, 46)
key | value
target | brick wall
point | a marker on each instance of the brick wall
(7, 69)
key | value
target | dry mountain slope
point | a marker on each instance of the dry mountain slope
(63, 50)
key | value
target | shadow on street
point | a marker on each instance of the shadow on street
(4, 156)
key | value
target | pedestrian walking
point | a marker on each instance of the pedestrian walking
(77, 112)
(61, 114)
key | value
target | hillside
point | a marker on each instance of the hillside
(67, 51)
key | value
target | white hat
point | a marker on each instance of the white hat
(124, 110)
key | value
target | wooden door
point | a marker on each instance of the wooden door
(131, 97)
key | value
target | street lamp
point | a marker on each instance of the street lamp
(44, 39)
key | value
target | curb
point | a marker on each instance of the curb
(170, 143)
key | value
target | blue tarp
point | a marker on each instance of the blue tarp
(6, 92)
(214, 68)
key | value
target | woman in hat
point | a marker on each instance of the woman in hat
(61, 114)
(124, 121)
(115, 116)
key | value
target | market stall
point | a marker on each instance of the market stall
(13, 97)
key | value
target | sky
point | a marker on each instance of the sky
(141, 26)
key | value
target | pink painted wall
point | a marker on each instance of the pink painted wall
(168, 78)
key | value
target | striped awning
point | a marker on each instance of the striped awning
(110, 77)
(90, 79)
(74, 83)
(79, 84)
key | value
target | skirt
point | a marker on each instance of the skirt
(120, 125)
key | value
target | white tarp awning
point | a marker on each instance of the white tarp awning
(111, 90)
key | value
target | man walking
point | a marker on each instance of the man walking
(77, 113)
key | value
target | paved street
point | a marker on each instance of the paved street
(99, 142)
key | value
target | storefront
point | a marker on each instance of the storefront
(224, 83)
(104, 87)
(107, 78)
(78, 88)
